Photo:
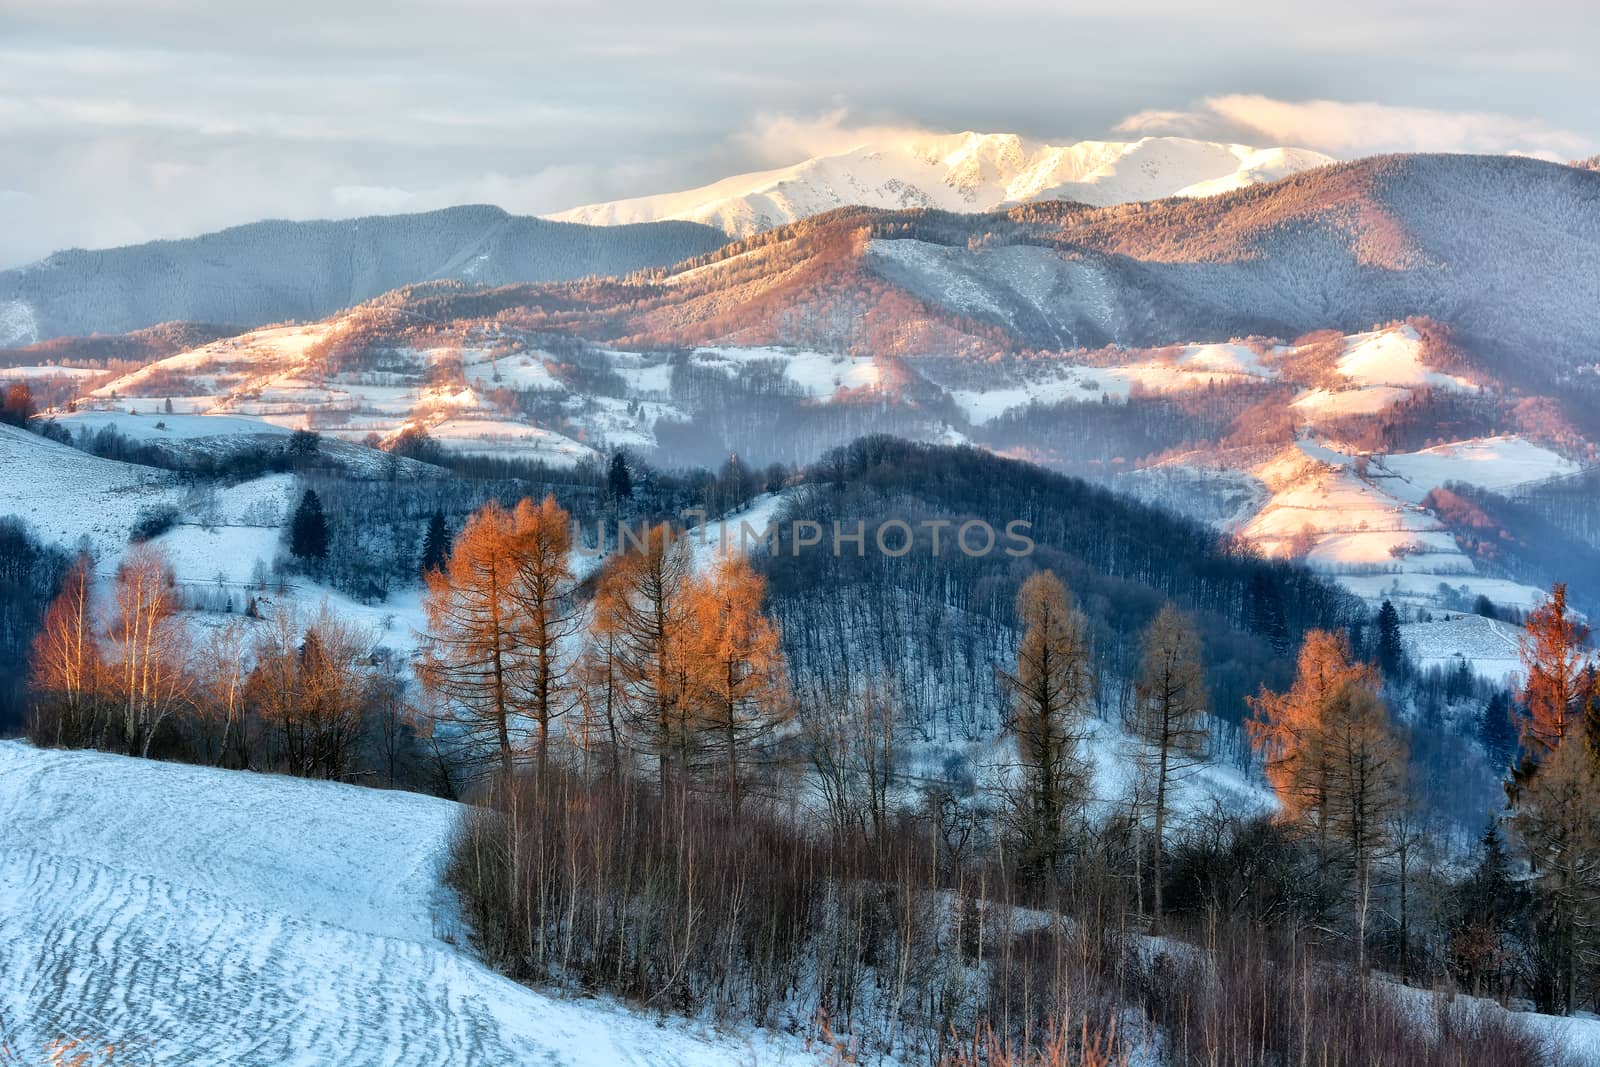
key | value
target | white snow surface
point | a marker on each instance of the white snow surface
(65, 495)
(1363, 519)
(961, 172)
(155, 913)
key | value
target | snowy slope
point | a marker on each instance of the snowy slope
(961, 172)
(65, 495)
(154, 913)
(1362, 518)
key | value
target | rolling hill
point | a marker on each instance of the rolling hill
(274, 271)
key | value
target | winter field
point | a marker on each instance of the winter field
(154, 913)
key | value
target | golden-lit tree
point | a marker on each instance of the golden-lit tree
(737, 682)
(1554, 652)
(333, 690)
(149, 647)
(66, 664)
(643, 606)
(1286, 727)
(473, 661)
(1169, 716)
(541, 592)
(1052, 690)
(1365, 763)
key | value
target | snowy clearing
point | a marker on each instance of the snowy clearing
(155, 913)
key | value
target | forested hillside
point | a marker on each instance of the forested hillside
(275, 271)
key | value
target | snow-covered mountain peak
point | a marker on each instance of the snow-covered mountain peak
(966, 171)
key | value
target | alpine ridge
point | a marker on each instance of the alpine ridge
(961, 172)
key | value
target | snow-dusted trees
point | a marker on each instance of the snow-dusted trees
(1052, 689)
(149, 652)
(67, 666)
(1169, 717)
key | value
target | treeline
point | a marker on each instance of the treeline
(257, 690)
(620, 854)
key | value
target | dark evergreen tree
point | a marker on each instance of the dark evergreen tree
(619, 482)
(1391, 649)
(303, 447)
(1498, 732)
(435, 544)
(1265, 614)
(1490, 921)
(308, 530)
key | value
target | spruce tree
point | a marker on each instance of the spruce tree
(1391, 650)
(1498, 732)
(619, 482)
(308, 530)
(435, 544)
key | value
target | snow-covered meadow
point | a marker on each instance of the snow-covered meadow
(155, 913)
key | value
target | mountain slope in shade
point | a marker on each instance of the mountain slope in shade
(276, 270)
(962, 172)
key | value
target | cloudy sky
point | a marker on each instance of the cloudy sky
(125, 120)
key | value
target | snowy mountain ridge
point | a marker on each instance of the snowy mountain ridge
(962, 172)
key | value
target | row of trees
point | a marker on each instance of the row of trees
(308, 696)
(667, 666)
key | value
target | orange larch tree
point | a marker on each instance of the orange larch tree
(473, 661)
(643, 604)
(1554, 656)
(542, 593)
(1286, 727)
(738, 671)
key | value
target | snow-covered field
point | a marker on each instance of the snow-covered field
(65, 495)
(1488, 646)
(818, 375)
(1362, 517)
(1377, 370)
(153, 913)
